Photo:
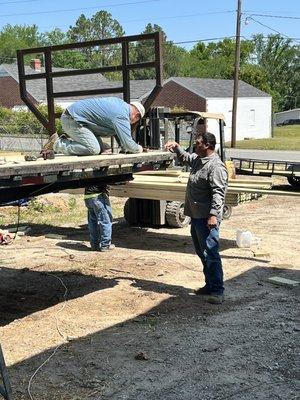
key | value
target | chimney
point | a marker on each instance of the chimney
(36, 64)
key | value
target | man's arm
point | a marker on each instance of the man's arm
(218, 181)
(122, 129)
(184, 157)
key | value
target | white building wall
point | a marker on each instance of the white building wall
(284, 115)
(253, 117)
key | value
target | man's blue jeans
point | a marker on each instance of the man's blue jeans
(206, 243)
(83, 141)
(99, 221)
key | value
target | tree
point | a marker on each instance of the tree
(216, 60)
(279, 59)
(99, 26)
(145, 51)
(65, 58)
(15, 37)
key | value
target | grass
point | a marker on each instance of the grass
(68, 211)
(285, 138)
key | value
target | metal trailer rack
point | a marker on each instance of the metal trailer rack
(19, 179)
(288, 169)
(125, 67)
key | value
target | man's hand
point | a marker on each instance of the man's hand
(212, 222)
(170, 145)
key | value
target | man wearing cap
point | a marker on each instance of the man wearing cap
(87, 120)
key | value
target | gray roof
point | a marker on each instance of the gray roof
(207, 88)
(37, 88)
(139, 89)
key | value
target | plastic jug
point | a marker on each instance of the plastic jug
(244, 238)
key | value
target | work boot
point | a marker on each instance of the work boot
(203, 291)
(108, 248)
(94, 248)
(215, 298)
(49, 145)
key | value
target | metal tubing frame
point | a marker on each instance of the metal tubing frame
(5, 390)
(125, 68)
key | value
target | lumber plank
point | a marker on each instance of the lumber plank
(70, 163)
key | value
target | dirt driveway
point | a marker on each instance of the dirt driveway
(131, 329)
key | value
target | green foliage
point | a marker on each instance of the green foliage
(24, 122)
(15, 37)
(173, 55)
(270, 64)
(36, 206)
(215, 60)
(100, 26)
(285, 138)
(279, 59)
(72, 203)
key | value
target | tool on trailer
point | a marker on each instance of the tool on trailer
(45, 154)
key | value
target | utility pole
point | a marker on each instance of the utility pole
(236, 73)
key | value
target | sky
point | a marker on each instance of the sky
(183, 21)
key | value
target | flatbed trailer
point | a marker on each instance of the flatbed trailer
(251, 166)
(19, 178)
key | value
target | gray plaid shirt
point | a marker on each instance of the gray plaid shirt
(207, 184)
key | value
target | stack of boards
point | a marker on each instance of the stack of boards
(171, 185)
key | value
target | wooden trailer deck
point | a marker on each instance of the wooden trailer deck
(19, 178)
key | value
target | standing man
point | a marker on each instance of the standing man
(204, 202)
(100, 217)
(87, 120)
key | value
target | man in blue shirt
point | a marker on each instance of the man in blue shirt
(87, 120)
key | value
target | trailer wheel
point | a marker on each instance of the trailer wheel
(227, 211)
(175, 215)
(294, 181)
(128, 213)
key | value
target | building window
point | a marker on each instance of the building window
(252, 117)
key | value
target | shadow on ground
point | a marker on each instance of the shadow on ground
(140, 238)
(181, 349)
(23, 292)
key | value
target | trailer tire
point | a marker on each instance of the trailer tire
(128, 215)
(175, 215)
(294, 181)
(227, 211)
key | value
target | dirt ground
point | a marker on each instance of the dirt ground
(127, 323)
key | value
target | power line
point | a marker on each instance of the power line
(78, 9)
(18, 1)
(268, 27)
(181, 16)
(203, 40)
(274, 16)
(160, 18)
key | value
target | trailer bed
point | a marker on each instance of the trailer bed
(250, 166)
(19, 178)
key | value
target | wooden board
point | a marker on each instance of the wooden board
(70, 163)
(172, 188)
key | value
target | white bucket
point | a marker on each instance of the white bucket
(244, 238)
